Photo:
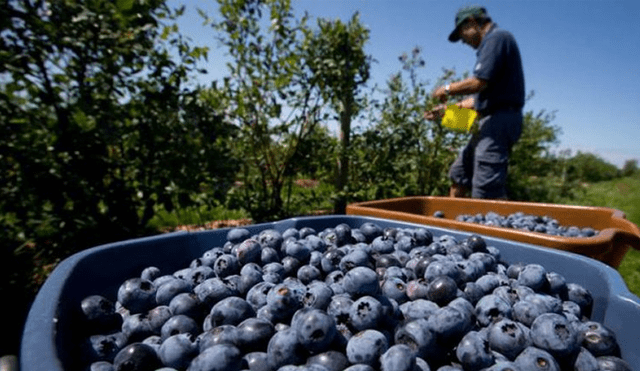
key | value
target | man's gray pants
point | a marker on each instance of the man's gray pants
(482, 163)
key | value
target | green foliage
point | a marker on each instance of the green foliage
(535, 173)
(98, 128)
(401, 153)
(271, 98)
(630, 168)
(336, 57)
(590, 168)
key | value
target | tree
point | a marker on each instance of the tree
(98, 128)
(340, 66)
(272, 98)
(589, 167)
(630, 167)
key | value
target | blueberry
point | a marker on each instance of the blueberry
(104, 347)
(270, 238)
(137, 295)
(420, 338)
(442, 268)
(254, 334)
(256, 361)
(612, 363)
(488, 283)
(226, 265)
(276, 269)
(221, 357)
(298, 250)
(284, 349)
(315, 330)
(383, 245)
(355, 258)
(438, 214)
(365, 313)
(101, 366)
(179, 324)
(508, 338)
(399, 357)
(197, 275)
(150, 273)
(177, 351)
(308, 273)
(139, 326)
(417, 289)
(291, 265)
(473, 352)
(441, 290)
(598, 339)
(535, 359)
(237, 235)
(361, 281)
(534, 276)
(450, 324)
(405, 243)
(315, 243)
(331, 260)
(370, 231)
(231, 311)
(581, 296)
(396, 289)
(249, 251)
(99, 314)
(553, 333)
(585, 361)
(502, 366)
(257, 295)
(224, 334)
(213, 290)
(331, 360)
(318, 295)
(283, 299)
(137, 357)
(492, 308)
(339, 308)
(269, 255)
(168, 290)
(366, 347)
(526, 311)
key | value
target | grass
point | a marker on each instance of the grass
(622, 194)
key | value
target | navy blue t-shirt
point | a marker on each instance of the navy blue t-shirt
(498, 62)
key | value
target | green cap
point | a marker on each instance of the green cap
(462, 15)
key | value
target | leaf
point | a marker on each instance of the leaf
(124, 5)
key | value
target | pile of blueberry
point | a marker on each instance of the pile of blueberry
(355, 299)
(526, 222)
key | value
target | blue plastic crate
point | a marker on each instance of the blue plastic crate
(50, 332)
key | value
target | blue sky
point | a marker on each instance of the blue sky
(581, 58)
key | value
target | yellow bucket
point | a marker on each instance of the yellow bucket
(458, 119)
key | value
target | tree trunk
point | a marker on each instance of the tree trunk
(343, 160)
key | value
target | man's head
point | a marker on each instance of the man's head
(470, 22)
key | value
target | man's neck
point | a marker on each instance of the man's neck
(486, 28)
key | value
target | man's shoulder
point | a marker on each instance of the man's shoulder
(501, 34)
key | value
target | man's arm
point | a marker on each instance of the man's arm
(469, 85)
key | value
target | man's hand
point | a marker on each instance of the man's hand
(436, 113)
(440, 94)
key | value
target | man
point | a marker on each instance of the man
(497, 93)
